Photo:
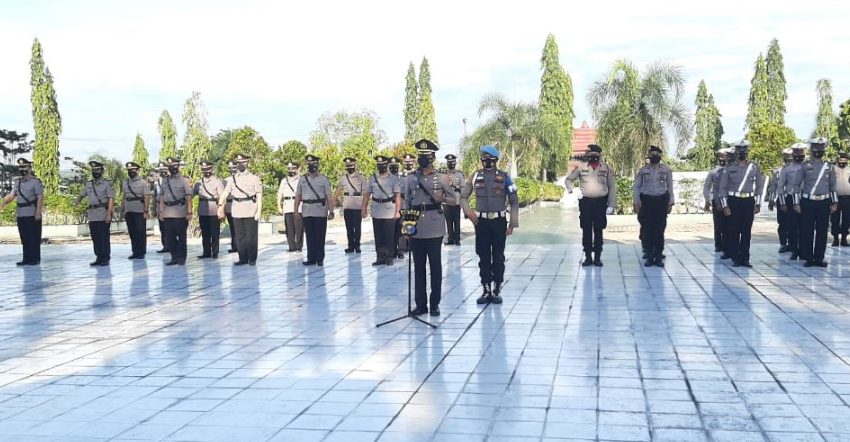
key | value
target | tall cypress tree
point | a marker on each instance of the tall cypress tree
(776, 92)
(556, 107)
(705, 125)
(196, 142)
(843, 123)
(426, 123)
(46, 121)
(140, 153)
(757, 111)
(826, 123)
(167, 135)
(411, 97)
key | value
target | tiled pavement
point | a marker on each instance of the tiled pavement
(695, 351)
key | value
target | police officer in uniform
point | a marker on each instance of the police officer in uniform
(451, 209)
(426, 191)
(286, 207)
(383, 195)
(135, 203)
(159, 178)
(351, 186)
(598, 187)
(787, 185)
(228, 208)
(247, 192)
(494, 193)
(28, 193)
(316, 194)
(773, 200)
(209, 189)
(175, 211)
(653, 201)
(816, 199)
(101, 203)
(394, 166)
(709, 193)
(840, 219)
(740, 190)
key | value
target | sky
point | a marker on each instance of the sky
(277, 66)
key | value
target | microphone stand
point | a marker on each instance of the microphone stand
(409, 290)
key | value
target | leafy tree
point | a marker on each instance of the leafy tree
(354, 134)
(826, 123)
(196, 142)
(843, 123)
(556, 104)
(12, 146)
(167, 135)
(140, 154)
(708, 129)
(758, 104)
(113, 169)
(293, 150)
(411, 96)
(634, 111)
(426, 120)
(46, 121)
(767, 141)
(220, 142)
(776, 92)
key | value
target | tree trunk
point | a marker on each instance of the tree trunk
(513, 161)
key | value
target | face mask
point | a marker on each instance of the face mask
(593, 159)
(655, 159)
(25, 172)
(721, 162)
(408, 166)
(96, 175)
(424, 161)
(799, 158)
(382, 169)
(173, 170)
(394, 170)
(132, 173)
(817, 153)
(292, 173)
(350, 169)
(242, 167)
(207, 174)
(313, 168)
(786, 160)
(451, 166)
(842, 165)
(742, 156)
(489, 163)
(232, 170)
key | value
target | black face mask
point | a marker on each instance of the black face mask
(488, 163)
(97, 175)
(817, 153)
(451, 165)
(394, 170)
(655, 159)
(313, 168)
(173, 170)
(424, 161)
(350, 169)
(132, 173)
(382, 169)
(593, 159)
(292, 173)
(207, 174)
(799, 158)
(842, 165)
(742, 156)
(408, 166)
(722, 162)
(24, 172)
(242, 167)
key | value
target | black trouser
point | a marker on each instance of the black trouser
(653, 210)
(210, 233)
(739, 228)
(175, 237)
(782, 226)
(136, 228)
(794, 220)
(246, 238)
(384, 238)
(841, 218)
(401, 241)
(232, 230)
(452, 214)
(490, 238)
(294, 232)
(430, 250)
(719, 228)
(99, 231)
(353, 226)
(592, 220)
(30, 232)
(815, 224)
(315, 228)
(162, 234)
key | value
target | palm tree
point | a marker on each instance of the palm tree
(634, 110)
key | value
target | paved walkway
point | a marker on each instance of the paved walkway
(211, 352)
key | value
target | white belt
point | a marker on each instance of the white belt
(492, 215)
(815, 197)
(741, 194)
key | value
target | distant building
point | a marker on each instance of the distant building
(582, 136)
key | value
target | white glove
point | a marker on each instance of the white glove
(609, 210)
(578, 194)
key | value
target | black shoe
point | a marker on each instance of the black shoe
(132, 257)
(659, 262)
(357, 250)
(181, 261)
(388, 262)
(794, 257)
(844, 242)
(736, 264)
(349, 250)
(598, 260)
(746, 264)
(162, 251)
(232, 251)
(400, 255)
(240, 263)
(309, 263)
(724, 256)
(377, 263)
(486, 296)
(834, 241)
(173, 262)
(649, 263)
(448, 243)
(104, 263)
(204, 256)
(95, 263)
(419, 311)
(821, 264)
(435, 311)
(717, 250)
(497, 293)
(320, 263)
(252, 263)
(783, 249)
(588, 260)
(22, 263)
(809, 263)
(215, 256)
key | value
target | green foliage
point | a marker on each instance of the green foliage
(12, 145)
(411, 108)
(551, 192)
(140, 154)
(556, 105)
(634, 110)
(46, 121)
(220, 142)
(843, 123)
(343, 134)
(708, 130)
(167, 136)
(826, 123)
(293, 150)
(776, 93)
(196, 142)
(757, 110)
(767, 141)
(625, 195)
(426, 119)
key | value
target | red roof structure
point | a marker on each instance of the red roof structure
(582, 136)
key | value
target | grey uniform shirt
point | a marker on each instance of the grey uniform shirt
(134, 192)
(654, 180)
(495, 191)
(26, 191)
(773, 184)
(98, 193)
(788, 181)
(175, 188)
(709, 187)
(842, 180)
(737, 179)
(432, 223)
(594, 183)
(228, 206)
(322, 186)
(208, 191)
(352, 187)
(456, 181)
(813, 183)
(286, 193)
(246, 189)
(383, 188)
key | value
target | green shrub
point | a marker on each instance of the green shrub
(552, 192)
(625, 195)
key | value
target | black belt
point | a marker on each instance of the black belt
(313, 202)
(287, 198)
(96, 206)
(429, 207)
(352, 194)
(25, 204)
(382, 200)
(134, 199)
(250, 198)
(175, 203)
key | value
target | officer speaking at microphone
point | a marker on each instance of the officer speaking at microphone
(598, 187)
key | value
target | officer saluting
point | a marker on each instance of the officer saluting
(316, 194)
(840, 219)
(598, 187)
(208, 189)
(101, 202)
(773, 200)
(28, 193)
(351, 186)
(228, 207)
(426, 191)
(653, 201)
(740, 197)
(787, 185)
(451, 209)
(382, 193)
(175, 211)
(398, 246)
(816, 199)
(286, 207)
(247, 192)
(494, 192)
(712, 204)
(136, 200)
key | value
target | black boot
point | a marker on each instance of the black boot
(497, 290)
(598, 261)
(834, 240)
(588, 260)
(844, 241)
(486, 297)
